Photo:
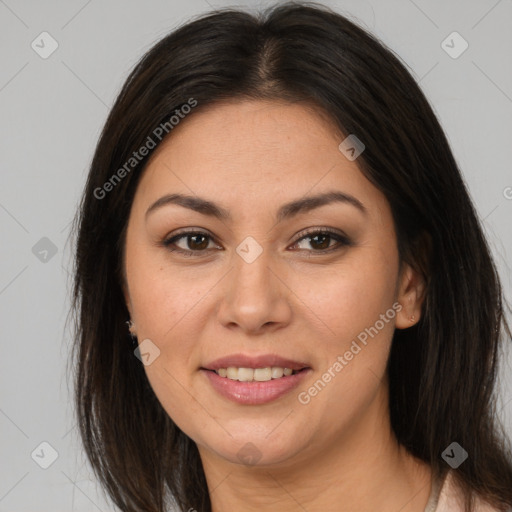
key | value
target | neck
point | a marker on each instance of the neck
(361, 468)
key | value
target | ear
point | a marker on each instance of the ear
(411, 293)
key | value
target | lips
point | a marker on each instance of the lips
(260, 361)
(255, 392)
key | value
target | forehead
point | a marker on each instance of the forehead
(254, 150)
(237, 131)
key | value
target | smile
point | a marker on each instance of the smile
(253, 391)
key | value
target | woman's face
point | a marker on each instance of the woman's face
(256, 288)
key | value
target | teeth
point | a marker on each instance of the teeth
(245, 374)
(254, 374)
(232, 373)
(263, 374)
(277, 372)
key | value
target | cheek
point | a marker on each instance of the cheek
(168, 312)
(163, 298)
(350, 296)
(354, 302)
(165, 306)
(181, 403)
(168, 308)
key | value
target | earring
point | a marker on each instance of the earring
(133, 336)
(412, 318)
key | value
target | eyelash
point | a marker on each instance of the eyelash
(343, 241)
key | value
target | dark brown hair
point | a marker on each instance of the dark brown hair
(442, 371)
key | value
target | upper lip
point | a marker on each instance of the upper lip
(256, 361)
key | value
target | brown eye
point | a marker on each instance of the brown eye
(196, 241)
(321, 240)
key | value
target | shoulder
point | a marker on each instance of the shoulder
(450, 498)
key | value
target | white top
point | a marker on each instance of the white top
(445, 497)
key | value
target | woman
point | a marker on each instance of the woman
(275, 211)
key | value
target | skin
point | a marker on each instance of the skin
(338, 451)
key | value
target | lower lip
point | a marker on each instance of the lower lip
(254, 393)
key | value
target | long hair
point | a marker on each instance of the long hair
(442, 371)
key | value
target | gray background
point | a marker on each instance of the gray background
(52, 111)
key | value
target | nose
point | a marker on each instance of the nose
(255, 298)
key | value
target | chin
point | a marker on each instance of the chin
(255, 449)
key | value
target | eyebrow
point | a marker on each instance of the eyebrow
(286, 211)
